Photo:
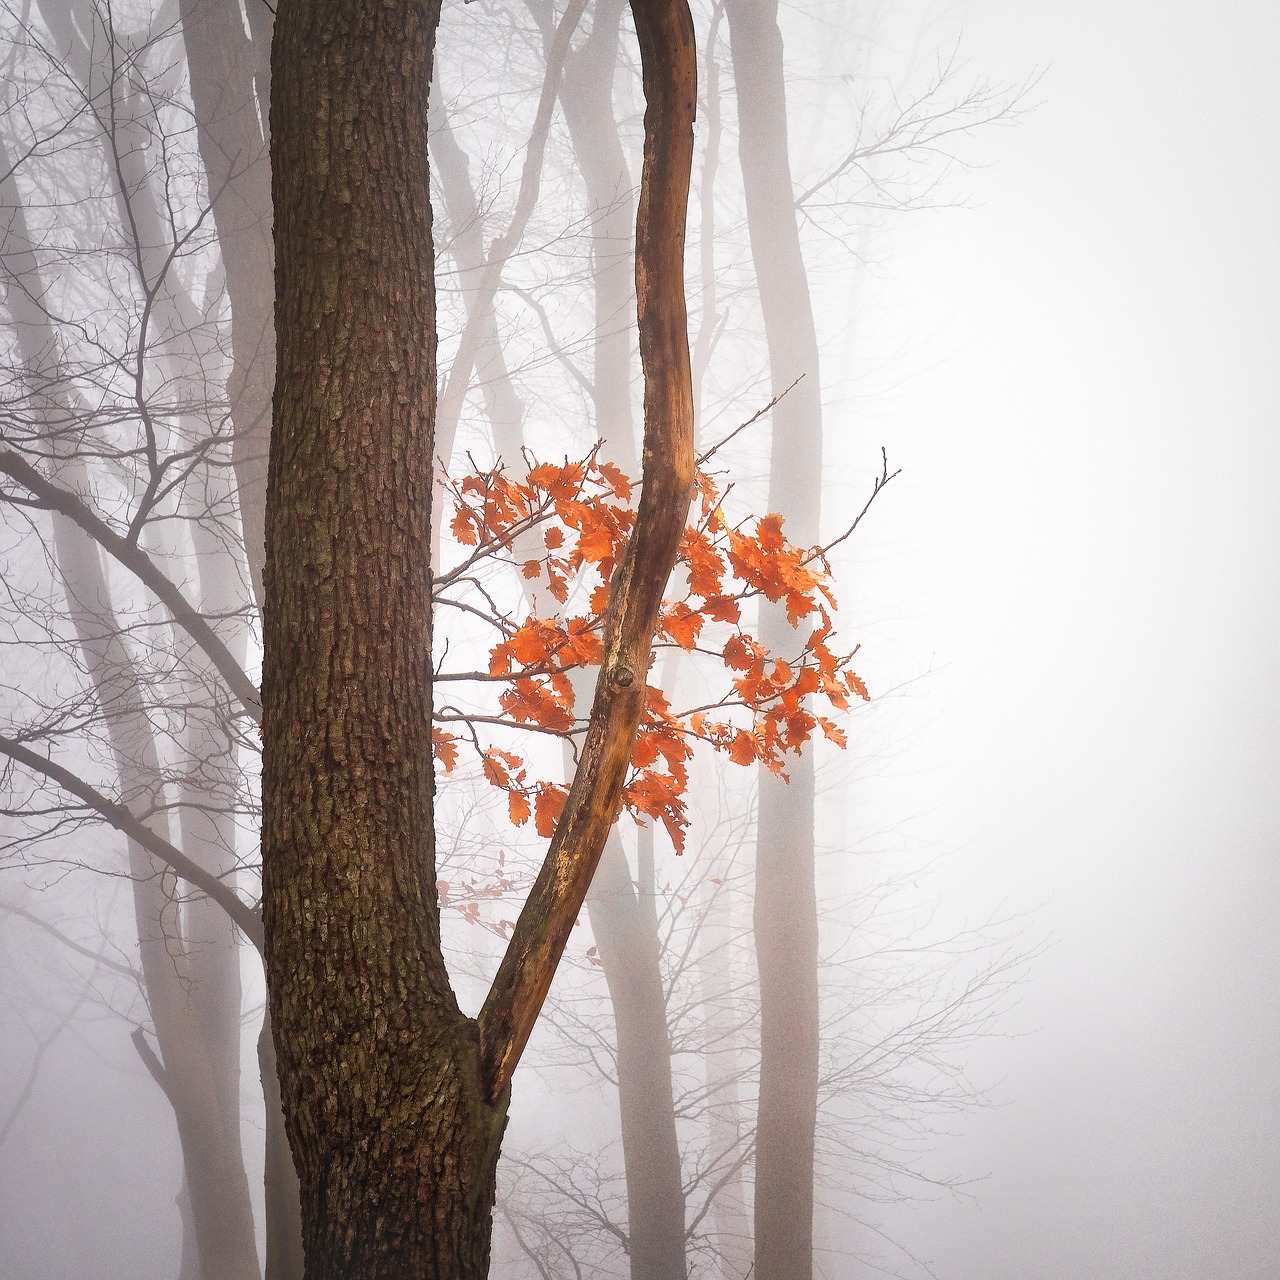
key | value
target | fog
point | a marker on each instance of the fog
(1092, 532)
(1067, 611)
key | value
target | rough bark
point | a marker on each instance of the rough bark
(786, 926)
(393, 1132)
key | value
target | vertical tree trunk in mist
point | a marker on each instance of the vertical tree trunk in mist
(786, 924)
(394, 1136)
(587, 98)
(625, 925)
(226, 69)
(502, 403)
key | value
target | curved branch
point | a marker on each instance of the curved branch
(55, 498)
(245, 917)
(664, 29)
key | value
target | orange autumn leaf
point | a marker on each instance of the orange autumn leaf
(518, 807)
(444, 747)
(682, 624)
(769, 701)
(547, 807)
(616, 480)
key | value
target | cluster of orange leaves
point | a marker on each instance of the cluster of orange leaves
(564, 528)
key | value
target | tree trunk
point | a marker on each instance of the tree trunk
(394, 1101)
(393, 1134)
(625, 927)
(587, 98)
(786, 923)
(225, 66)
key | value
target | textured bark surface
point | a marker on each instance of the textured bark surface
(393, 1113)
(393, 1133)
(786, 920)
(664, 30)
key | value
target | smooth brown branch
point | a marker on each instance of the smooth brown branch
(664, 29)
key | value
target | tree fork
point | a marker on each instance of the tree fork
(394, 1138)
(394, 1101)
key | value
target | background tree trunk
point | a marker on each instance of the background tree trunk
(786, 918)
(229, 95)
(197, 1070)
(625, 925)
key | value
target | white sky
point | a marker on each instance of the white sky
(1089, 519)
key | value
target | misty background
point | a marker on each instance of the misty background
(1068, 614)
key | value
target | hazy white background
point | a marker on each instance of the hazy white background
(1086, 542)
(1078, 375)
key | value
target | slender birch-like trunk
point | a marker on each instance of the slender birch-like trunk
(786, 915)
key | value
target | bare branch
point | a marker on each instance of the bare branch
(123, 819)
(54, 498)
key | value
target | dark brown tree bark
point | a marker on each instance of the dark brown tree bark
(393, 1132)
(786, 917)
(394, 1101)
